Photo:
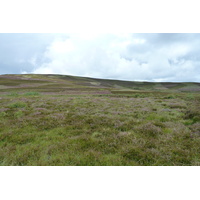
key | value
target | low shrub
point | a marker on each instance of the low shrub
(193, 113)
(149, 129)
(195, 128)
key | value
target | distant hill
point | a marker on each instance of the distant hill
(75, 84)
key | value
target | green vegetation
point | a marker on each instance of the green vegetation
(17, 105)
(32, 94)
(65, 120)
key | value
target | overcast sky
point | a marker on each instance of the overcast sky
(144, 57)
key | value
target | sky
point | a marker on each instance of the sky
(173, 57)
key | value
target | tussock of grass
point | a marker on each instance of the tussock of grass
(18, 105)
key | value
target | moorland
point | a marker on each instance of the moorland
(58, 120)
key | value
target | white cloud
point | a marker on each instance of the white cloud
(149, 57)
(119, 56)
(99, 55)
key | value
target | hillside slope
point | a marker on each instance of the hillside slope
(68, 120)
(73, 84)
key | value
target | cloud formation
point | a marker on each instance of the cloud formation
(146, 57)
(21, 51)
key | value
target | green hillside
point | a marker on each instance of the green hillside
(66, 84)
(69, 120)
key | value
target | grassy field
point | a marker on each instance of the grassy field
(66, 120)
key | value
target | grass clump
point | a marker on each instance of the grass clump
(2, 114)
(13, 94)
(18, 105)
(139, 155)
(96, 134)
(190, 97)
(19, 114)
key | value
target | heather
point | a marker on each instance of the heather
(66, 120)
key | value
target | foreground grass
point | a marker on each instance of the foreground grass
(117, 129)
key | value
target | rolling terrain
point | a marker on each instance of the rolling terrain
(69, 120)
